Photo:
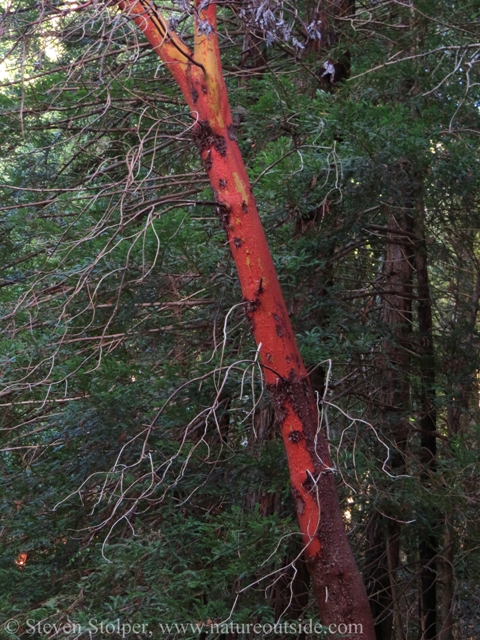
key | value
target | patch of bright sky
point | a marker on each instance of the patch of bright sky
(51, 47)
(4, 71)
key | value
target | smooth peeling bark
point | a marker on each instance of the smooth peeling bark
(337, 582)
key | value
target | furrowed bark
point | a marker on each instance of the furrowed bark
(336, 580)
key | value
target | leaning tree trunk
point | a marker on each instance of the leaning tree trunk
(336, 580)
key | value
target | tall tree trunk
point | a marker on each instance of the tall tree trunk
(428, 546)
(398, 320)
(397, 315)
(336, 580)
(377, 574)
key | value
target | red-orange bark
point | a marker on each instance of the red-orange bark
(336, 580)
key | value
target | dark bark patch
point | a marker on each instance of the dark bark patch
(237, 242)
(205, 138)
(298, 393)
(208, 162)
(222, 210)
(244, 207)
(301, 397)
(277, 398)
(204, 89)
(222, 183)
(231, 133)
(295, 436)
(194, 95)
(299, 501)
(278, 326)
(251, 305)
(220, 145)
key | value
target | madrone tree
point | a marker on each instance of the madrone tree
(336, 580)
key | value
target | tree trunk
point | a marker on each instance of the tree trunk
(428, 546)
(397, 315)
(398, 320)
(336, 580)
(448, 575)
(377, 573)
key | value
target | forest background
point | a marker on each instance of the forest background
(142, 476)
